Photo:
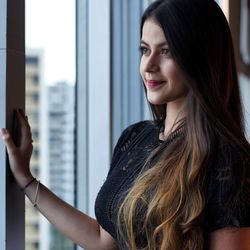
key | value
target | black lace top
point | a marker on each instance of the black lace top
(227, 196)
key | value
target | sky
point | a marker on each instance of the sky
(50, 27)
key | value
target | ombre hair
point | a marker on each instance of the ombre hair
(201, 45)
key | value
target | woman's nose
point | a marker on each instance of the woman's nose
(151, 64)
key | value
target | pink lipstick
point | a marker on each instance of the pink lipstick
(153, 84)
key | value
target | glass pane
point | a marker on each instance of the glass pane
(50, 105)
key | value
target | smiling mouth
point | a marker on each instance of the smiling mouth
(153, 84)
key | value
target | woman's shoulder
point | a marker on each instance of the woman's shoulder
(133, 130)
(129, 136)
(138, 126)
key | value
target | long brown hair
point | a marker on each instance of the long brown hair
(171, 192)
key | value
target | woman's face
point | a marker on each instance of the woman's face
(163, 80)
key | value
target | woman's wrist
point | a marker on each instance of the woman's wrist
(28, 184)
(23, 179)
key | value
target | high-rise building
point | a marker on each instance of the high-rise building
(33, 77)
(61, 153)
(51, 112)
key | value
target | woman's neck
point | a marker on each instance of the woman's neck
(175, 112)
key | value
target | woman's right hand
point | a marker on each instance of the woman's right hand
(19, 156)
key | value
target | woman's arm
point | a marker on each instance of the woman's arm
(230, 239)
(79, 227)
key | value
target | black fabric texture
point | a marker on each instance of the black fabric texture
(227, 194)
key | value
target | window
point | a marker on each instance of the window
(52, 119)
(50, 105)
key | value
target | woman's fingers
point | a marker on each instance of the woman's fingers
(26, 136)
(19, 156)
(11, 147)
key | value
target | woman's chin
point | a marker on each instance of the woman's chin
(156, 102)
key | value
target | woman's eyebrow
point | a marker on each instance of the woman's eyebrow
(160, 44)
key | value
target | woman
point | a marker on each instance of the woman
(182, 180)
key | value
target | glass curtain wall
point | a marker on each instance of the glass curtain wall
(50, 105)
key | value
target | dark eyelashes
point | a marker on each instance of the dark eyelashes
(142, 49)
(166, 51)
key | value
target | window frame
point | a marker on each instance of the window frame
(93, 99)
(12, 91)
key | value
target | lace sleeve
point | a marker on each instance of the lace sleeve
(228, 199)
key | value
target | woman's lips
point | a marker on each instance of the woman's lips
(153, 84)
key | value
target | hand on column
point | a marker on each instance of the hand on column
(19, 156)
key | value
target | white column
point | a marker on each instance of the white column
(98, 96)
(93, 99)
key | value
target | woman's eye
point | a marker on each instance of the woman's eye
(143, 50)
(165, 51)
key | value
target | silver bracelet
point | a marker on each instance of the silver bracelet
(36, 194)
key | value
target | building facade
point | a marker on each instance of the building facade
(33, 77)
(61, 154)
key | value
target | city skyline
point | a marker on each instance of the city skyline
(51, 112)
